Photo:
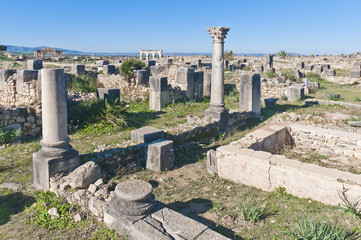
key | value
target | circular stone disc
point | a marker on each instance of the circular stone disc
(133, 190)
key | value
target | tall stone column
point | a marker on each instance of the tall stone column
(217, 111)
(56, 154)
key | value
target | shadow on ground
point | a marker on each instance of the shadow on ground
(196, 206)
(13, 203)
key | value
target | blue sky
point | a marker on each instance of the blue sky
(257, 26)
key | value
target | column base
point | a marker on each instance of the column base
(49, 161)
(218, 113)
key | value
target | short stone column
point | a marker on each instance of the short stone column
(207, 84)
(185, 80)
(142, 77)
(158, 94)
(217, 111)
(56, 154)
(250, 93)
(35, 64)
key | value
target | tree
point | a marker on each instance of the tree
(128, 66)
(282, 53)
(229, 55)
(3, 48)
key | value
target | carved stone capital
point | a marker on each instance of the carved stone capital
(218, 34)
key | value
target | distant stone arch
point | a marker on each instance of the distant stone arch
(149, 54)
(52, 51)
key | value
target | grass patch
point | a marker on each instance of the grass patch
(9, 135)
(250, 212)
(313, 230)
(352, 207)
(83, 83)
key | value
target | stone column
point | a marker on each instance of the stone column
(217, 111)
(56, 154)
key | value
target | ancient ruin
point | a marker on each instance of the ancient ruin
(150, 54)
(40, 54)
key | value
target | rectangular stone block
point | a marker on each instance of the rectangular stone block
(109, 69)
(23, 76)
(158, 100)
(78, 69)
(160, 155)
(158, 83)
(300, 65)
(207, 84)
(356, 66)
(295, 92)
(309, 67)
(146, 134)
(355, 74)
(318, 69)
(158, 70)
(101, 63)
(185, 76)
(35, 64)
(329, 72)
(108, 93)
(142, 77)
(250, 92)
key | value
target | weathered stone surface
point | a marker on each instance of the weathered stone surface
(355, 74)
(84, 175)
(269, 102)
(78, 69)
(142, 77)
(146, 134)
(109, 69)
(329, 72)
(35, 64)
(108, 93)
(101, 63)
(160, 155)
(295, 92)
(158, 83)
(250, 93)
(211, 161)
(212, 235)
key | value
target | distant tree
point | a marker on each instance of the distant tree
(229, 55)
(3, 48)
(282, 53)
(128, 66)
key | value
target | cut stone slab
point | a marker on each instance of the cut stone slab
(146, 134)
(108, 93)
(295, 92)
(160, 155)
(212, 235)
(179, 225)
(35, 64)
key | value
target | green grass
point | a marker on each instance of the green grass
(84, 83)
(250, 212)
(318, 230)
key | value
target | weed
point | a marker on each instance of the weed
(352, 207)
(288, 75)
(357, 99)
(250, 212)
(271, 74)
(313, 230)
(284, 97)
(82, 83)
(38, 212)
(9, 135)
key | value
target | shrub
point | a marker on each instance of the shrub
(282, 53)
(310, 230)
(229, 55)
(3, 48)
(101, 117)
(128, 66)
(287, 74)
(271, 74)
(8, 135)
(357, 99)
(84, 83)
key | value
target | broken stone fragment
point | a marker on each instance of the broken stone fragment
(84, 175)
(53, 212)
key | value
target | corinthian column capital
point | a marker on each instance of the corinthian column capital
(218, 34)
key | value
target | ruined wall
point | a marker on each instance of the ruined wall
(29, 119)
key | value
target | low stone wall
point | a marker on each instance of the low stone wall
(326, 141)
(28, 118)
(248, 161)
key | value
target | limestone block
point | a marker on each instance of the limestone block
(309, 67)
(212, 235)
(35, 64)
(108, 93)
(295, 92)
(158, 100)
(101, 63)
(211, 161)
(146, 134)
(24, 76)
(160, 155)
(158, 83)
(355, 74)
(329, 72)
(109, 69)
(300, 65)
(78, 69)
(142, 77)
(185, 76)
(84, 175)
(250, 93)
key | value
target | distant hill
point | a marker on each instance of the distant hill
(20, 49)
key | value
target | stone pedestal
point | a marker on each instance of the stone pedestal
(250, 93)
(35, 64)
(217, 111)
(158, 94)
(160, 155)
(56, 154)
(78, 69)
(185, 80)
(142, 77)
